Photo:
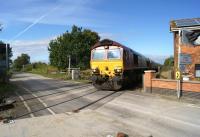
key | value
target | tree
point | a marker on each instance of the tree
(76, 44)
(9, 48)
(10, 54)
(24, 59)
(169, 62)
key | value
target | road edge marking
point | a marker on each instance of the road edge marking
(40, 100)
(25, 104)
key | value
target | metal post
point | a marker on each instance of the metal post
(69, 61)
(69, 67)
(7, 63)
(179, 49)
(179, 52)
(179, 92)
(143, 82)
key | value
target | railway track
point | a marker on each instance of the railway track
(58, 92)
(82, 94)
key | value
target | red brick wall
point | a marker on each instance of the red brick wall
(191, 86)
(195, 54)
(151, 82)
(147, 78)
(168, 84)
(194, 51)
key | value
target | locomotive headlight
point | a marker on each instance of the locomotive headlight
(118, 70)
(95, 70)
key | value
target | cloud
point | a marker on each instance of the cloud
(37, 49)
(60, 12)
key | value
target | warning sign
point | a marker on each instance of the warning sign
(178, 75)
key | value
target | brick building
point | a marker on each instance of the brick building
(187, 47)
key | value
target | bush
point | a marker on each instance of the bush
(5, 76)
(28, 67)
(85, 74)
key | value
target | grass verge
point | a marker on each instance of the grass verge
(7, 89)
(84, 76)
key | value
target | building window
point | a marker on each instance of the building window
(197, 70)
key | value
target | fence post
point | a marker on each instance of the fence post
(179, 91)
(149, 74)
(143, 84)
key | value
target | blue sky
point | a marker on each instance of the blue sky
(142, 25)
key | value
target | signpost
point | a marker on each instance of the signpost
(3, 56)
(4, 61)
(178, 75)
(185, 59)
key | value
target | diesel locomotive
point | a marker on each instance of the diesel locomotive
(113, 65)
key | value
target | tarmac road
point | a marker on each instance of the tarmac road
(136, 113)
(39, 96)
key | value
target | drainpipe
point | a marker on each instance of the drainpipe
(179, 48)
(179, 52)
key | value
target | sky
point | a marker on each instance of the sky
(142, 25)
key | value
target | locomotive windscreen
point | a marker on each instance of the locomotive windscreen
(101, 53)
(114, 54)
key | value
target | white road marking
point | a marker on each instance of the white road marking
(41, 101)
(25, 104)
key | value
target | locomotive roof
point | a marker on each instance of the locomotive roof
(108, 42)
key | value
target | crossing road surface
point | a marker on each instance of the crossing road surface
(129, 110)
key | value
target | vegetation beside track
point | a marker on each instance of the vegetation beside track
(7, 89)
(167, 69)
(53, 72)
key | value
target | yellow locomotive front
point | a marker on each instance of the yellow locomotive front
(107, 66)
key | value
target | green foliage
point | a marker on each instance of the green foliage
(37, 65)
(39, 68)
(24, 59)
(28, 67)
(5, 75)
(169, 62)
(85, 74)
(6, 89)
(10, 54)
(77, 44)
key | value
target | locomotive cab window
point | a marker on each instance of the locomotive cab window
(98, 54)
(114, 54)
